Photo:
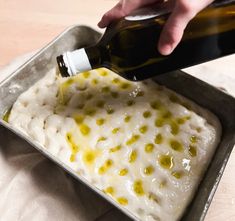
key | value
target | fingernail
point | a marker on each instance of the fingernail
(100, 24)
(166, 49)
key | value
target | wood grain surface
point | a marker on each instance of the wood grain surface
(27, 25)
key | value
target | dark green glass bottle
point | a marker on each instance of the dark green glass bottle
(129, 46)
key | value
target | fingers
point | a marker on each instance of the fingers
(183, 12)
(122, 9)
(174, 28)
(113, 14)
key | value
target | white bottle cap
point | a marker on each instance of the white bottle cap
(76, 61)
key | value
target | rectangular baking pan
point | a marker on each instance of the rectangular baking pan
(219, 103)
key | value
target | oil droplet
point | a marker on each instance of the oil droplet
(115, 149)
(86, 74)
(132, 156)
(159, 122)
(90, 112)
(89, 157)
(147, 114)
(130, 103)
(101, 139)
(177, 174)
(109, 190)
(149, 148)
(72, 158)
(69, 137)
(133, 139)
(114, 94)
(138, 188)
(123, 172)
(105, 89)
(192, 151)
(156, 105)
(110, 110)
(100, 121)
(84, 129)
(100, 104)
(174, 127)
(158, 139)
(115, 130)
(68, 83)
(107, 164)
(166, 161)
(95, 81)
(125, 85)
(122, 200)
(103, 72)
(166, 114)
(101, 170)
(176, 145)
(116, 81)
(79, 119)
(180, 120)
(127, 118)
(148, 170)
(74, 147)
(6, 115)
(143, 129)
(193, 139)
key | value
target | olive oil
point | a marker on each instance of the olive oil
(128, 46)
(123, 172)
(138, 188)
(122, 200)
(74, 147)
(109, 190)
(149, 148)
(166, 161)
(7, 115)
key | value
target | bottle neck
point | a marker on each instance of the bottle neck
(94, 55)
(84, 59)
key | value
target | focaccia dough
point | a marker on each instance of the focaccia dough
(142, 144)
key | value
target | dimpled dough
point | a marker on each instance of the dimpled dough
(143, 145)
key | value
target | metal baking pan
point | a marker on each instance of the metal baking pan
(219, 103)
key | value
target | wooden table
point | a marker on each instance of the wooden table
(28, 25)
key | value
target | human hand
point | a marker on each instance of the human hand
(183, 11)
